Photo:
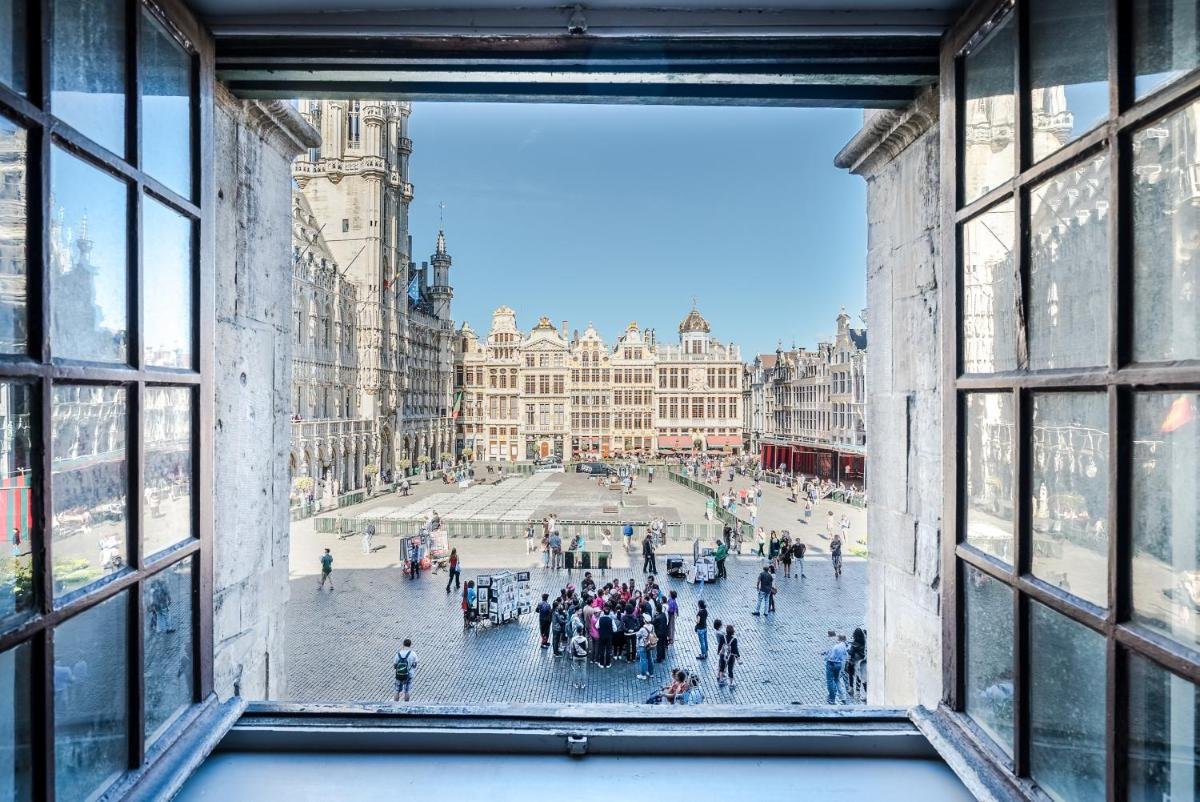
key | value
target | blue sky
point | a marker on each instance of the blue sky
(616, 213)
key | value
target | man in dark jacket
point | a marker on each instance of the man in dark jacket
(765, 583)
(648, 564)
(661, 625)
(604, 644)
(545, 618)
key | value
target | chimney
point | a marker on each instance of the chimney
(564, 329)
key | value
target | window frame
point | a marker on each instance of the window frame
(1120, 379)
(36, 366)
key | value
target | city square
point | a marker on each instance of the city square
(340, 643)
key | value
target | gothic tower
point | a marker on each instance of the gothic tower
(440, 290)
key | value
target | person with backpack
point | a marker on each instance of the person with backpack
(647, 642)
(405, 665)
(545, 618)
(326, 570)
(578, 649)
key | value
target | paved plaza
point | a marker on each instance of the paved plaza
(340, 643)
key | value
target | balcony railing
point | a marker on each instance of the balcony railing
(329, 427)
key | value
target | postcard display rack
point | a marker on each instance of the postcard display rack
(504, 596)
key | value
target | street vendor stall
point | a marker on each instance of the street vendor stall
(504, 596)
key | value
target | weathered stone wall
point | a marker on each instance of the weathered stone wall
(897, 153)
(253, 149)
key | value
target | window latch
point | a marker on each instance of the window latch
(577, 745)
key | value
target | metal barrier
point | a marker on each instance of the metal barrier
(591, 530)
(744, 529)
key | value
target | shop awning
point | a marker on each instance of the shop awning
(723, 440)
(674, 441)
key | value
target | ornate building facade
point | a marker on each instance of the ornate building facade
(546, 394)
(373, 370)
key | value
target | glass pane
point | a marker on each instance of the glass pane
(990, 298)
(989, 112)
(1070, 492)
(14, 210)
(18, 594)
(168, 454)
(1068, 70)
(1164, 735)
(88, 485)
(989, 473)
(166, 76)
(990, 656)
(90, 699)
(1166, 217)
(167, 271)
(13, 20)
(167, 637)
(1066, 706)
(88, 261)
(1166, 42)
(1068, 268)
(16, 754)
(1166, 514)
(88, 69)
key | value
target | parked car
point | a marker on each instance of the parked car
(595, 469)
(548, 465)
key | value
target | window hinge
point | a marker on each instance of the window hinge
(577, 745)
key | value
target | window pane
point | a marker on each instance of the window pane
(1166, 42)
(1066, 707)
(166, 83)
(1068, 70)
(168, 646)
(88, 70)
(990, 299)
(167, 271)
(16, 755)
(1068, 268)
(88, 261)
(1166, 266)
(13, 20)
(90, 699)
(168, 460)
(989, 473)
(989, 112)
(1166, 514)
(13, 216)
(1070, 487)
(18, 594)
(88, 485)
(1164, 735)
(990, 656)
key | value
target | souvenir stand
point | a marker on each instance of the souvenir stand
(503, 597)
(704, 565)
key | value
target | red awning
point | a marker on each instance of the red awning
(674, 441)
(723, 440)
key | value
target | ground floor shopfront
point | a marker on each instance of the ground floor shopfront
(825, 462)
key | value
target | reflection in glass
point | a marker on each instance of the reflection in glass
(1164, 735)
(989, 292)
(989, 473)
(1068, 42)
(166, 83)
(1166, 42)
(17, 482)
(1068, 268)
(167, 271)
(167, 639)
(1070, 492)
(1166, 219)
(88, 73)
(13, 20)
(16, 754)
(1166, 514)
(87, 261)
(88, 485)
(167, 421)
(13, 216)
(989, 112)
(990, 656)
(1066, 706)
(90, 699)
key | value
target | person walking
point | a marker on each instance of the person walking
(760, 540)
(627, 533)
(844, 525)
(831, 525)
(672, 614)
(326, 570)
(765, 584)
(835, 554)
(530, 539)
(785, 553)
(556, 554)
(647, 642)
(368, 533)
(702, 629)
(835, 663)
(733, 654)
(650, 475)
(648, 564)
(545, 612)
(405, 665)
(773, 548)
(578, 649)
(662, 627)
(455, 574)
(798, 551)
(808, 508)
(414, 558)
(722, 655)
